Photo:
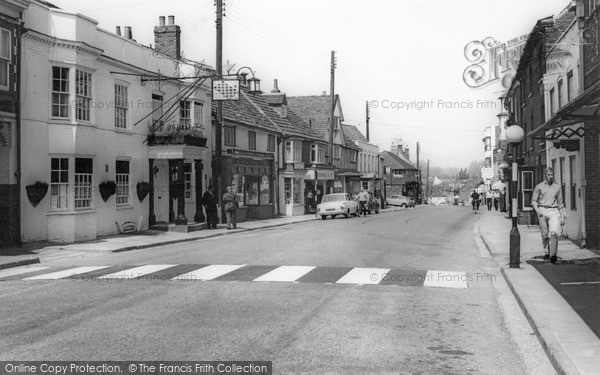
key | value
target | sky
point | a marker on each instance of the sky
(405, 58)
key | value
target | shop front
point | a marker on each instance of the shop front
(253, 180)
(317, 182)
(293, 199)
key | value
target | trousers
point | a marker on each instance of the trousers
(549, 220)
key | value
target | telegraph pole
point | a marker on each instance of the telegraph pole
(216, 164)
(418, 176)
(332, 115)
(368, 121)
(428, 192)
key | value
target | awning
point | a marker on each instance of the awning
(584, 107)
(348, 174)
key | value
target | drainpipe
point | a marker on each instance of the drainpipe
(583, 184)
(18, 173)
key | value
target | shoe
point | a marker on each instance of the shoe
(553, 259)
(546, 256)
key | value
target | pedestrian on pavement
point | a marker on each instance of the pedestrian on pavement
(230, 205)
(363, 198)
(489, 199)
(209, 201)
(547, 201)
(503, 200)
(310, 200)
(496, 196)
(475, 200)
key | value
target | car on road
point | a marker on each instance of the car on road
(400, 200)
(337, 204)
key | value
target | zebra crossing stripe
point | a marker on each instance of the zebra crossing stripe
(446, 279)
(209, 272)
(133, 273)
(363, 276)
(18, 271)
(285, 273)
(65, 273)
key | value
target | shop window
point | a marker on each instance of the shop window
(252, 190)
(292, 190)
(265, 189)
(561, 171)
(238, 188)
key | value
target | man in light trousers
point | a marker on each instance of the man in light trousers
(547, 202)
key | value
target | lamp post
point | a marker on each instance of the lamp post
(514, 134)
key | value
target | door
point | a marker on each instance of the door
(161, 190)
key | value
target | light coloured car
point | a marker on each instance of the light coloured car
(337, 204)
(400, 200)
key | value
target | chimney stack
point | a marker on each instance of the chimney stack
(324, 93)
(128, 32)
(119, 30)
(275, 88)
(167, 38)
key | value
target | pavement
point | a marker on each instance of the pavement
(561, 301)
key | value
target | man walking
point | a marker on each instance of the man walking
(475, 200)
(363, 198)
(209, 200)
(547, 202)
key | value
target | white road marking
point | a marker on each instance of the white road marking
(66, 273)
(285, 273)
(18, 271)
(364, 276)
(135, 272)
(446, 279)
(209, 272)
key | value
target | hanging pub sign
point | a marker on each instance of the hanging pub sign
(225, 89)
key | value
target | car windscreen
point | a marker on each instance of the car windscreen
(333, 198)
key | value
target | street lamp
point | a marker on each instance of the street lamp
(514, 134)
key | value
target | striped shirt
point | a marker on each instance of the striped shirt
(547, 195)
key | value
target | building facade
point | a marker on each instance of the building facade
(100, 131)
(10, 126)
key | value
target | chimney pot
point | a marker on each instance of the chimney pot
(128, 32)
(324, 93)
(161, 21)
(171, 20)
(119, 30)
(275, 88)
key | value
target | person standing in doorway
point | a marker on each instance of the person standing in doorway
(230, 205)
(209, 201)
(547, 201)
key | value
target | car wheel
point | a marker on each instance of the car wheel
(347, 214)
(403, 205)
(323, 217)
(333, 216)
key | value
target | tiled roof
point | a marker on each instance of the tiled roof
(352, 132)
(396, 162)
(350, 143)
(278, 99)
(314, 110)
(250, 110)
(560, 25)
(299, 127)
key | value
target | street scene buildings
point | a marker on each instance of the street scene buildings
(109, 144)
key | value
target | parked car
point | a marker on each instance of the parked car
(400, 200)
(337, 204)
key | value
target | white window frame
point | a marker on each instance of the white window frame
(353, 156)
(122, 180)
(59, 187)
(229, 135)
(337, 152)
(524, 190)
(60, 104)
(293, 151)
(121, 105)
(5, 59)
(317, 153)
(188, 181)
(157, 109)
(84, 197)
(83, 95)
(185, 114)
(198, 113)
